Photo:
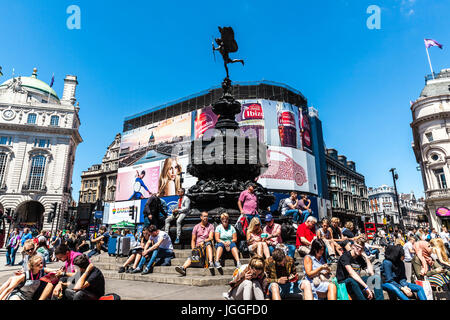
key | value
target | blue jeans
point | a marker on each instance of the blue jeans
(355, 289)
(157, 253)
(399, 293)
(305, 214)
(291, 250)
(11, 255)
(294, 213)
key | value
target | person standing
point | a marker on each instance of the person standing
(248, 203)
(184, 204)
(408, 249)
(12, 246)
(25, 236)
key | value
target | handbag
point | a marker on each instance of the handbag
(198, 257)
(342, 293)
(425, 284)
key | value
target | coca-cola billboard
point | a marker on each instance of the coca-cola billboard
(305, 129)
(205, 119)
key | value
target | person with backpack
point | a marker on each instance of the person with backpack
(202, 237)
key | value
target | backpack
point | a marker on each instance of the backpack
(111, 296)
(241, 227)
(198, 257)
(280, 205)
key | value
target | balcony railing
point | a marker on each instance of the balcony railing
(439, 75)
(27, 188)
(438, 194)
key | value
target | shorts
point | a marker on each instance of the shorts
(136, 251)
(232, 245)
(287, 288)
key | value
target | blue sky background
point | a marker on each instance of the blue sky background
(130, 56)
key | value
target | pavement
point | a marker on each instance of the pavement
(134, 290)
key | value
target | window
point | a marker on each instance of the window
(36, 178)
(3, 159)
(42, 143)
(31, 118)
(335, 200)
(5, 140)
(440, 176)
(333, 181)
(344, 185)
(429, 136)
(94, 196)
(54, 121)
(353, 189)
(435, 157)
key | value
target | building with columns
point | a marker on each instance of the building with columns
(347, 189)
(431, 133)
(38, 142)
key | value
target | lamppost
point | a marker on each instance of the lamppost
(395, 177)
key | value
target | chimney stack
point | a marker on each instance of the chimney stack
(70, 85)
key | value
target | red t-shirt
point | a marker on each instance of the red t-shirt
(304, 231)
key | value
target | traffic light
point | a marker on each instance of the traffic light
(52, 213)
(8, 215)
(132, 212)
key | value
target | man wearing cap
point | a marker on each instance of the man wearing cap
(248, 203)
(274, 235)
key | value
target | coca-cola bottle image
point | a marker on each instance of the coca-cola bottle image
(286, 125)
(251, 120)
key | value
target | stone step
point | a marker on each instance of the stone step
(199, 281)
(171, 270)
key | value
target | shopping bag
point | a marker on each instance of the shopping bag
(425, 284)
(342, 293)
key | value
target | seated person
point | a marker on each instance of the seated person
(318, 273)
(43, 249)
(289, 207)
(274, 236)
(82, 245)
(226, 237)
(249, 281)
(306, 233)
(438, 248)
(283, 278)
(394, 276)
(326, 234)
(100, 242)
(424, 265)
(28, 285)
(349, 232)
(179, 213)
(256, 244)
(158, 246)
(355, 284)
(136, 252)
(338, 237)
(202, 236)
(90, 285)
(304, 206)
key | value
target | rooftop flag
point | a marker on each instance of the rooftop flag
(432, 43)
(53, 80)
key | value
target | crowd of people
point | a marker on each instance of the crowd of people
(77, 279)
(337, 261)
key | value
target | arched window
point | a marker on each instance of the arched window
(31, 118)
(3, 160)
(36, 179)
(54, 121)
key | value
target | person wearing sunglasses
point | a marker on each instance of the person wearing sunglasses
(357, 286)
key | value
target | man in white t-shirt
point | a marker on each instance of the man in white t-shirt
(159, 246)
(408, 248)
(289, 207)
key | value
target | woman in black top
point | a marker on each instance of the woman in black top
(338, 238)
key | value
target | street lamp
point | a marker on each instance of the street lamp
(395, 177)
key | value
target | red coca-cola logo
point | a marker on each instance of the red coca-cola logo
(286, 118)
(252, 111)
(203, 123)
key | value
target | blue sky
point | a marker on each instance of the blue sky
(130, 56)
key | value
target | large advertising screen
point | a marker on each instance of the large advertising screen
(115, 212)
(289, 169)
(154, 157)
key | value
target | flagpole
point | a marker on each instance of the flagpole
(429, 61)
